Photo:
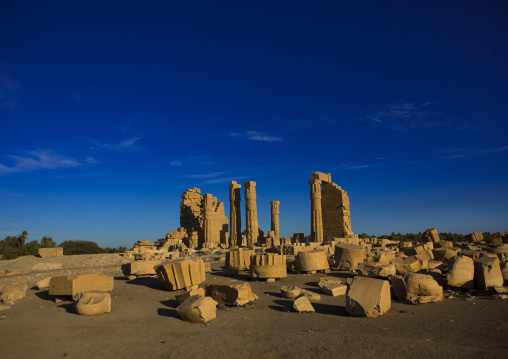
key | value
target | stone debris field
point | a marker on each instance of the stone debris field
(210, 290)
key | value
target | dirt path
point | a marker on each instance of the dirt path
(144, 323)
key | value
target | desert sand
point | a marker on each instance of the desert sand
(144, 323)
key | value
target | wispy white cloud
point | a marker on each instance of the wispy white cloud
(41, 159)
(404, 115)
(224, 179)
(8, 90)
(257, 136)
(126, 145)
(192, 160)
(459, 153)
(207, 175)
(356, 166)
(91, 160)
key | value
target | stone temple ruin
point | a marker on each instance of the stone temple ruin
(203, 223)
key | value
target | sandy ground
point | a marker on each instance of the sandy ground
(144, 323)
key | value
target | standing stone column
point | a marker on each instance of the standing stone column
(235, 214)
(208, 224)
(275, 218)
(251, 213)
(316, 214)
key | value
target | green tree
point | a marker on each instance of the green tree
(80, 247)
(47, 242)
(32, 248)
(22, 239)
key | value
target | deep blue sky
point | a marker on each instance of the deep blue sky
(109, 110)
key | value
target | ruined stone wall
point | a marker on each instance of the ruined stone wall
(335, 212)
(191, 209)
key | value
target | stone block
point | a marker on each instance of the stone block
(315, 260)
(181, 273)
(368, 297)
(268, 265)
(43, 283)
(422, 288)
(461, 272)
(139, 268)
(233, 293)
(183, 297)
(12, 292)
(239, 258)
(407, 264)
(313, 297)
(68, 285)
(333, 287)
(198, 309)
(487, 273)
(290, 292)
(92, 303)
(46, 266)
(348, 256)
(51, 252)
(376, 270)
(303, 305)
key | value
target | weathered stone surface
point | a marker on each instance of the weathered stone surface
(368, 297)
(487, 273)
(72, 284)
(46, 266)
(235, 234)
(181, 273)
(332, 286)
(233, 293)
(92, 303)
(12, 292)
(303, 305)
(239, 258)
(422, 288)
(4, 307)
(406, 264)
(315, 260)
(290, 292)
(348, 256)
(445, 254)
(431, 235)
(461, 272)
(43, 283)
(274, 225)
(50, 252)
(139, 268)
(268, 266)
(251, 213)
(376, 270)
(198, 309)
(313, 297)
(183, 297)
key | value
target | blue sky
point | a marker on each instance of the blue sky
(109, 110)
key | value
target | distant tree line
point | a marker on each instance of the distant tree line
(15, 246)
(418, 237)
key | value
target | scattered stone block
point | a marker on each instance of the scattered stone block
(139, 268)
(268, 265)
(377, 270)
(208, 268)
(234, 293)
(348, 256)
(290, 292)
(406, 264)
(68, 285)
(183, 297)
(422, 288)
(313, 297)
(43, 283)
(487, 273)
(4, 307)
(92, 303)
(461, 272)
(239, 258)
(181, 273)
(198, 309)
(303, 305)
(51, 252)
(315, 260)
(14, 291)
(333, 287)
(431, 235)
(46, 266)
(368, 297)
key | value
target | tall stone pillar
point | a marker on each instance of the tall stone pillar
(235, 214)
(275, 218)
(316, 215)
(208, 223)
(251, 213)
